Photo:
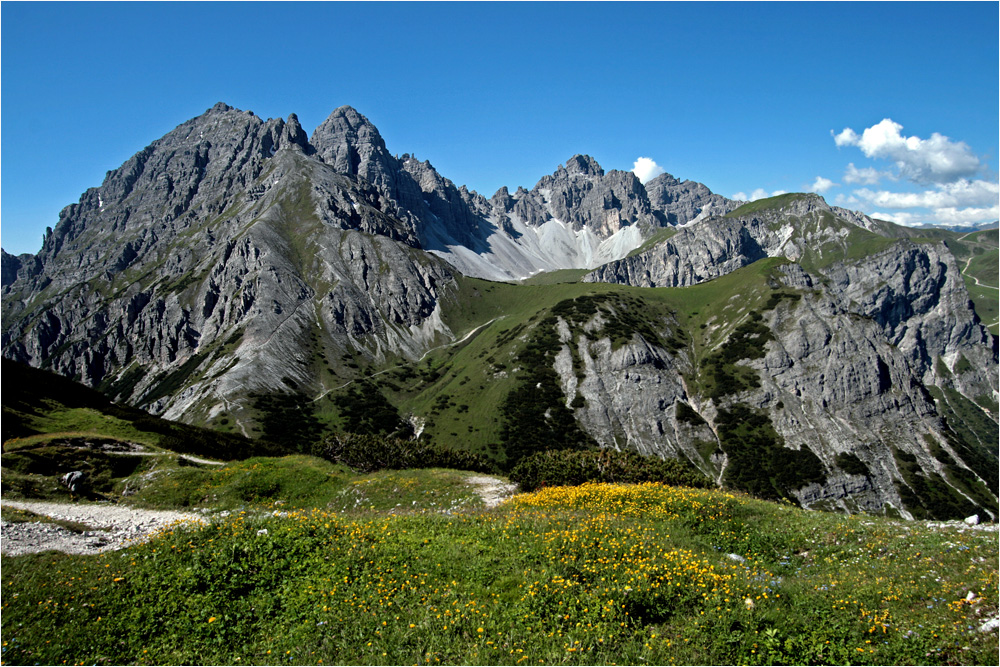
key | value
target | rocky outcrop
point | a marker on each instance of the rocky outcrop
(222, 260)
(857, 354)
(681, 202)
(234, 257)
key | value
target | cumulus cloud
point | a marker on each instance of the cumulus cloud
(950, 215)
(846, 138)
(962, 193)
(646, 170)
(864, 176)
(907, 219)
(821, 185)
(963, 202)
(924, 161)
(759, 193)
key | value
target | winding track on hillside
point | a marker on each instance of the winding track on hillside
(115, 527)
(965, 272)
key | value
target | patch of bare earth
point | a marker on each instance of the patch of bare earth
(492, 490)
(110, 527)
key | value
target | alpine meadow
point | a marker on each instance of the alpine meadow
(279, 398)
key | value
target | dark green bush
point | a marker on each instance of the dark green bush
(535, 416)
(759, 463)
(574, 467)
(851, 464)
(368, 453)
(366, 410)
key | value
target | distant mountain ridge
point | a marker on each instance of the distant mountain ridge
(235, 267)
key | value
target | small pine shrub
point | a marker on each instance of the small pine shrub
(369, 453)
(851, 464)
(575, 467)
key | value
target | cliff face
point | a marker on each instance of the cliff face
(222, 260)
(813, 353)
(861, 363)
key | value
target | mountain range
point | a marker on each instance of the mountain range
(239, 274)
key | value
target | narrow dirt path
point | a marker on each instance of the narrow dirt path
(975, 279)
(113, 527)
(492, 490)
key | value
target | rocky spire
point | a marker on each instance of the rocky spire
(349, 143)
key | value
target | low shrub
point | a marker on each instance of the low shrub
(574, 467)
(368, 453)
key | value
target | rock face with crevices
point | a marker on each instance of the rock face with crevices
(236, 258)
(223, 259)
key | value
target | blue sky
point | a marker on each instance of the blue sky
(748, 98)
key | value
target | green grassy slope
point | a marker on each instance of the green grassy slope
(979, 258)
(590, 575)
(457, 388)
(39, 406)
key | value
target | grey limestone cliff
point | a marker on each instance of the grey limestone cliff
(219, 261)
(835, 358)
(863, 362)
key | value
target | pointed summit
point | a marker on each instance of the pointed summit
(584, 164)
(349, 142)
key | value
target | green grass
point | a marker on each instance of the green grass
(978, 258)
(590, 575)
(456, 388)
(770, 203)
(49, 406)
(555, 277)
(261, 483)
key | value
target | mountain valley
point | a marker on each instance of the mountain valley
(240, 275)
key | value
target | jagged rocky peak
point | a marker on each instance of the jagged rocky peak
(583, 164)
(193, 172)
(295, 135)
(582, 195)
(351, 144)
(680, 202)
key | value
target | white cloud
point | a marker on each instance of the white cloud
(963, 202)
(759, 193)
(967, 216)
(847, 201)
(934, 160)
(865, 176)
(907, 219)
(950, 216)
(846, 138)
(962, 193)
(646, 170)
(821, 185)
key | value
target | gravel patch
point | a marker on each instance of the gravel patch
(493, 491)
(112, 527)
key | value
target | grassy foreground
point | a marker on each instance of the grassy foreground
(584, 575)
